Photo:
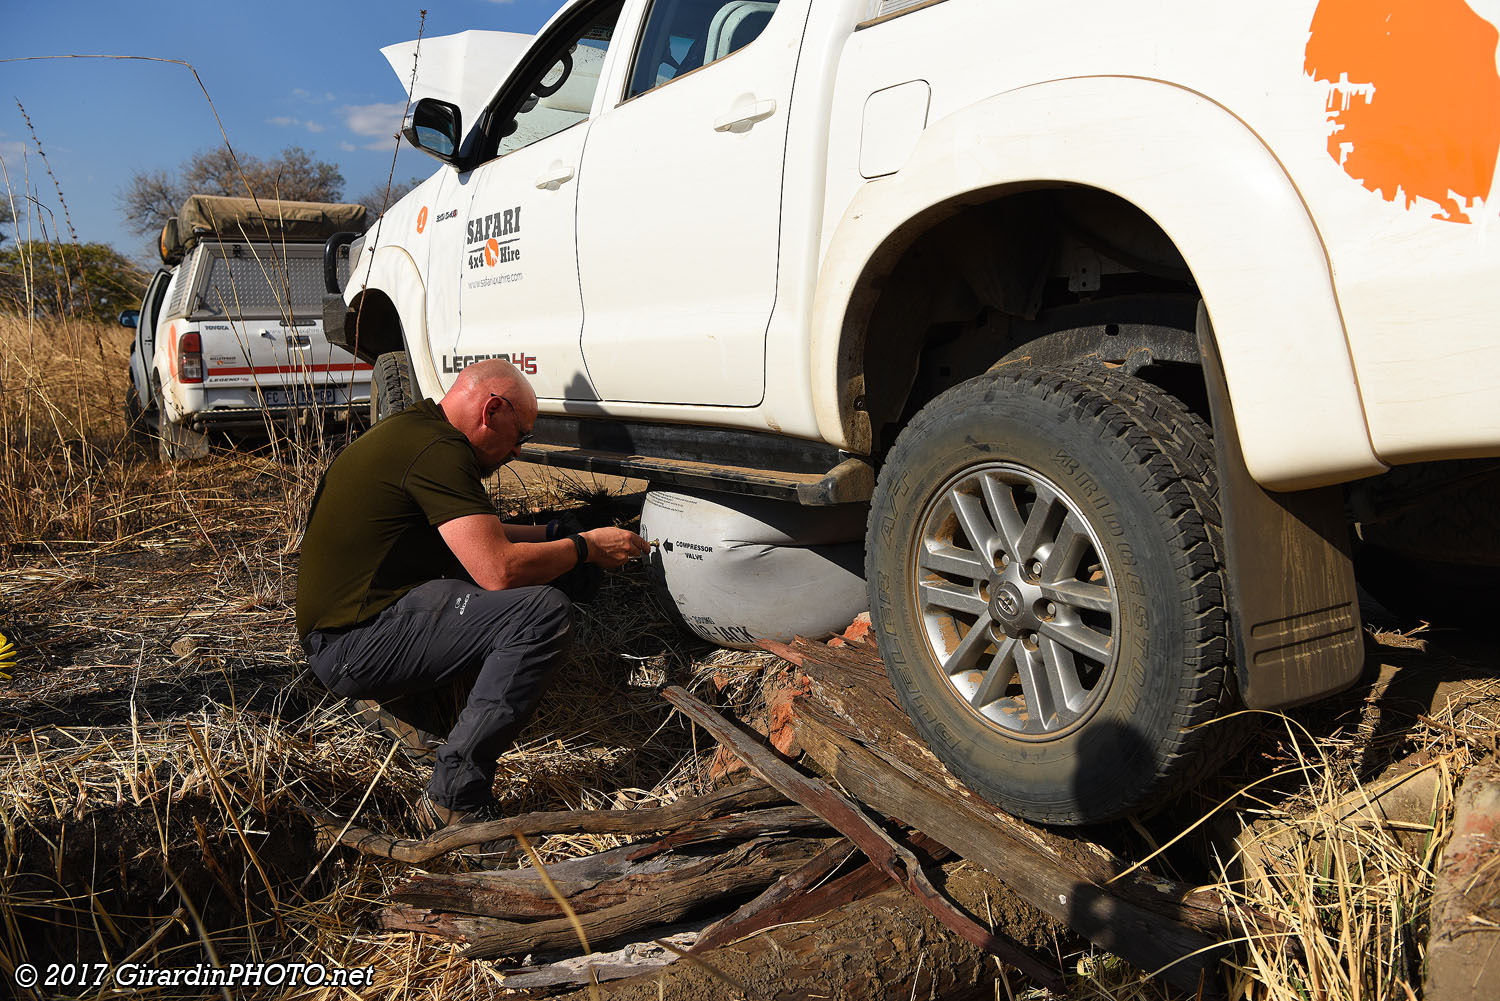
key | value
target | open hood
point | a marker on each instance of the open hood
(463, 69)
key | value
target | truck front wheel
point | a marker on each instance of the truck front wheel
(1046, 596)
(390, 385)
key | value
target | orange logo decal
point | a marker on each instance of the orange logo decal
(422, 219)
(1413, 99)
(491, 251)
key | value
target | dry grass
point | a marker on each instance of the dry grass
(161, 729)
(161, 732)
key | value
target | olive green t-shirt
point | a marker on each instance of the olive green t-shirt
(372, 534)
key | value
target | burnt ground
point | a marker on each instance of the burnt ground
(161, 734)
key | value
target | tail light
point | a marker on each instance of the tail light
(190, 358)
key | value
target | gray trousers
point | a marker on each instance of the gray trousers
(438, 632)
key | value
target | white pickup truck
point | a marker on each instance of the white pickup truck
(229, 335)
(1116, 316)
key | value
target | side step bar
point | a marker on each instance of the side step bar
(738, 462)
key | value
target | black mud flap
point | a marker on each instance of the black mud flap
(1295, 614)
(335, 313)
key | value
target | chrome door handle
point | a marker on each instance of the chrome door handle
(745, 113)
(555, 176)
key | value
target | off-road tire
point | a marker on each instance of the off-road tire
(390, 385)
(1127, 464)
(175, 443)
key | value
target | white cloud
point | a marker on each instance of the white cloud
(288, 122)
(373, 119)
(348, 147)
(13, 153)
(307, 95)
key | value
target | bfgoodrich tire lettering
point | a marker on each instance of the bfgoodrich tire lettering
(1115, 571)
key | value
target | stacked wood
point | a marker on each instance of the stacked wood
(500, 913)
(850, 724)
(796, 883)
(885, 947)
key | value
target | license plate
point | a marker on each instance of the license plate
(300, 396)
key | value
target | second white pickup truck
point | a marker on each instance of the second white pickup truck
(1116, 315)
(229, 335)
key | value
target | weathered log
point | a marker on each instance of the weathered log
(851, 726)
(899, 863)
(790, 899)
(764, 861)
(1462, 959)
(886, 947)
(793, 884)
(852, 696)
(597, 881)
(600, 967)
(733, 799)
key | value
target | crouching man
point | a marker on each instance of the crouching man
(409, 580)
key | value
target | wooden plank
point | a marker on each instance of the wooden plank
(896, 861)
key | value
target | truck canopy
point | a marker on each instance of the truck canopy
(265, 219)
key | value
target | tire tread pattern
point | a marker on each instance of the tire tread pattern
(1172, 454)
(390, 385)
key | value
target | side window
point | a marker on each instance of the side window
(182, 284)
(560, 90)
(682, 35)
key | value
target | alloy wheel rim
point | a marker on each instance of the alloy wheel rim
(1017, 603)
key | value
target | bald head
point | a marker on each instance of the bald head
(474, 403)
(494, 375)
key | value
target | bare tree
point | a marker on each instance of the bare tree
(6, 216)
(377, 199)
(151, 197)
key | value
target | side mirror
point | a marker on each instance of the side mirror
(434, 127)
(130, 318)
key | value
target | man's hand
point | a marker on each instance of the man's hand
(611, 547)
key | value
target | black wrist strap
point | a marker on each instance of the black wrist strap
(580, 544)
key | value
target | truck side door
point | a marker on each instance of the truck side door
(518, 263)
(680, 204)
(144, 348)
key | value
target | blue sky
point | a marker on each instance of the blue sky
(280, 73)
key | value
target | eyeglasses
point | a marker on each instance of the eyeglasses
(522, 437)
